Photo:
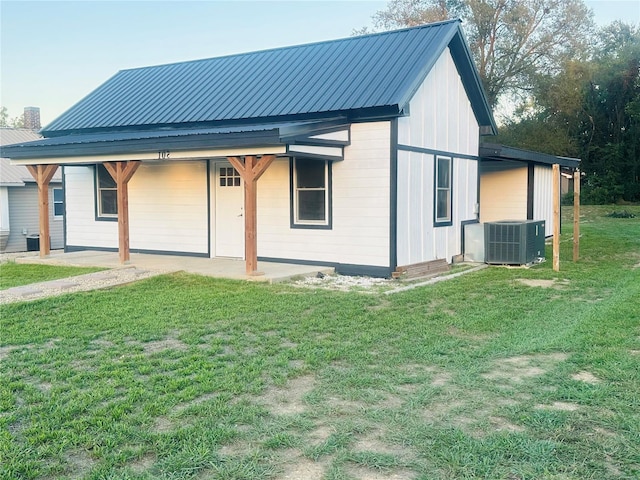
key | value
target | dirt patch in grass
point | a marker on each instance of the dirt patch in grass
(320, 434)
(437, 411)
(363, 473)
(39, 384)
(5, 351)
(297, 467)
(143, 463)
(162, 425)
(374, 441)
(80, 463)
(586, 377)
(561, 406)
(554, 283)
(289, 399)
(517, 369)
(501, 424)
(603, 432)
(161, 345)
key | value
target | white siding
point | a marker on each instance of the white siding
(360, 195)
(24, 215)
(167, 209)
(440, 114)
(503, 191)
(543, 196)
(441, 118)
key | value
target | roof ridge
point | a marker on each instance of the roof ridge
(300, 45)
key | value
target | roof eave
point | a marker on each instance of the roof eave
(493, 151)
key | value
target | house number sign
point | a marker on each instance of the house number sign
(163, 154)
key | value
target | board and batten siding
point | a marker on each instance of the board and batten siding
(441, 118)
(503, 191)
(24, 214)
(168, 209)
(361, 206)
(543, 196)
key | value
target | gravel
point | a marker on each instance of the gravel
(79, 283)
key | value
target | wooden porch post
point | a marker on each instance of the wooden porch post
(43, 175)
(121, 172)
(556, 217)
(576, 215)
(251, 170)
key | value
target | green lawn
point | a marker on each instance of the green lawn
(14, 274)
(506, 373)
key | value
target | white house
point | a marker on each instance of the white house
(19, 199)
(360, 153)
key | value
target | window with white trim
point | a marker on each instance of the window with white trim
(443, 190)
(58, 202)
(107, 194)
(311, 184)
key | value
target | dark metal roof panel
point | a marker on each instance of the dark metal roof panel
(356, 73)
(154, 140)
(494, 151)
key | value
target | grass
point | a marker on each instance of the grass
(484, 376)
(14, 275)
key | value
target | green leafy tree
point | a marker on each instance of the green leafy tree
(15, 122)
(4, 117)
(590, 109)
(511, 40)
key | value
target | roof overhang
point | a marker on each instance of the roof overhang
(496, 152)
(315, 140)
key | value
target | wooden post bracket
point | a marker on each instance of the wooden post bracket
(251, 169)
(43, 175)
(121, 172)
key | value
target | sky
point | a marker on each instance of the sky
(53, 53)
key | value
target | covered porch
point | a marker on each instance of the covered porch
(249, 149)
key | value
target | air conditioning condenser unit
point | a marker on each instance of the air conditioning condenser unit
(514, 242)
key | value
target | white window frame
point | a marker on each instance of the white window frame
(99, 212)
(296, 220)
(447, 220)
(58, 202)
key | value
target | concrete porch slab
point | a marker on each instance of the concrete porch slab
(231, 268)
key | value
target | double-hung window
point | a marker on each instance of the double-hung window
(443, 190)
(311, 193)
(106, 194)
(58, 202)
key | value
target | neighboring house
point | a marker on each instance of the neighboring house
(366, 150)
(517, 184)
(19, 199)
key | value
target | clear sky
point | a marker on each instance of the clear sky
(53, 53)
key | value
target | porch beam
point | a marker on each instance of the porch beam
(121, 172)
(43, 175)
(251, 169)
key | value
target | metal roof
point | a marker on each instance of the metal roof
(360, 77)
(493, 151)
(18, 175)
(104, 143)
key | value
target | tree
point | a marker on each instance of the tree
(511, 40)
(590, 109)
(15, 122)
(4, 117)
